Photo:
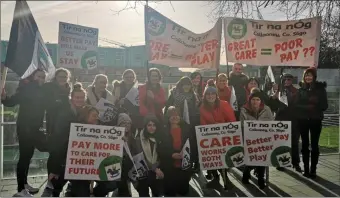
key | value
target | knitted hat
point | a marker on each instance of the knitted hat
(123, 117)
(310, 70)
(255, 92)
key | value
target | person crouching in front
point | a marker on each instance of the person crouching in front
(255, 109)
(177, 177)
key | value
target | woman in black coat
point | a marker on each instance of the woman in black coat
(56, 94)
(58, 150)
(310, 105)
(176, 165)
(184, 91)
(29, 97)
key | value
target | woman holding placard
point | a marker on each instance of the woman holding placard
(255, 109)
(148, 142)
(71, 113)
(175, 156)
(310, 105)
(29, 96)
(214, 111)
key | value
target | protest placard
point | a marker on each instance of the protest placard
(140, 169)
(173, 45)
(275, 43)
(78, 46)
(94, 152)
(267, 143)
(107, 111)
(220, 145)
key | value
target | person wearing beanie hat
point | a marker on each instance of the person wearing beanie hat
(214, 111)
(255, 109)
(287, 113)
(310, 105)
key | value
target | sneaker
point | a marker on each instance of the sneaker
(23, 193)
(31, 189)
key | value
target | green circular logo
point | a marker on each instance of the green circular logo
(110, 168)
(281, 157)
(237, 28)
(89, 60)
(156, 24)
(235, 156)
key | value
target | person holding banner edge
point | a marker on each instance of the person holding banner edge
(175, 155)
(255, 109)
(29, 96)
(98, 90)
(214, 111)
(287, 113)
(310, 104)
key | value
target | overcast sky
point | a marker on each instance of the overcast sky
(126, 28)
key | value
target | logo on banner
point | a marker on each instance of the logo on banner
(156, 24)
(237, 28)
(113, 171)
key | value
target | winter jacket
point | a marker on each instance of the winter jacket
(167, 149)
(136, 148)
(284, 112)
(264, 114)
(311, 101)
(151, 106)
(60, 137)
(30, 98)
(221, 114)
(56, 97)
(93, 99)
(239, 82)
(225, 93)
(192, 107)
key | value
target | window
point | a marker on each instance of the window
(119, 55)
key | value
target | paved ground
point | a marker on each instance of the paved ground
(282, 184)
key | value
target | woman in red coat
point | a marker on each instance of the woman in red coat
(215, 111)
(152, 95)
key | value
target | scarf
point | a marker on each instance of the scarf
(151, 157)
(179, 97)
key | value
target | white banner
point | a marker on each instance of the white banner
(172, 45)
(140, 170)
(94, 152)
(78, 46)
(133, 94)
(275, 43)
(186, 155)
(233, 99)
(267, 143)
(220, 145)
(107, 111)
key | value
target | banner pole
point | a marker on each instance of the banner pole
(218, 58)
(146, 21)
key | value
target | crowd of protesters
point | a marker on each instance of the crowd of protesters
(157, 128)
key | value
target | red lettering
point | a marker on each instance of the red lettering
(106, 146)
(246, 55)
(292, 44)
(289, 56)
(242, 45)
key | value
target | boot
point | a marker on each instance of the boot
(246, 175)
(261, 183)
(314, 162)
(305, 158)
